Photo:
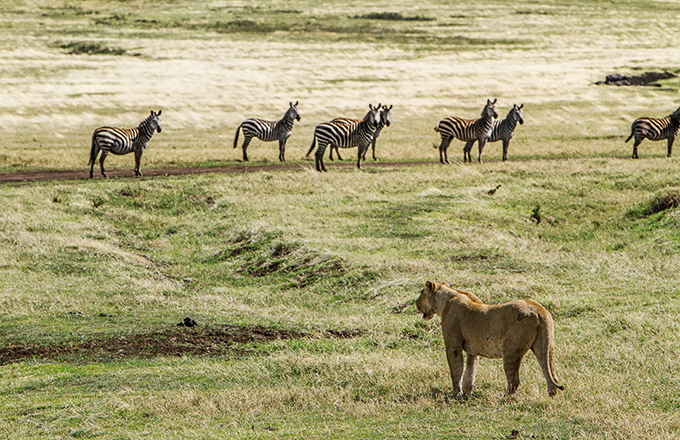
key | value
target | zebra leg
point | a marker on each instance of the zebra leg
(337, 152)
(138, 160)
(480, 146)
(246, 142)
(443, 156)
(319, 157)
(373, 150)
(361, 151)
(670, 145)
(282, 150)
(635, 147)
(466, 151)
(93, 157)
(101, 162)
(506, 144)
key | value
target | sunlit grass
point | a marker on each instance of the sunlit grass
(344, 250)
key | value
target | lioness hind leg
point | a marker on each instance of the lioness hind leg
(454, 356)
(511, 367)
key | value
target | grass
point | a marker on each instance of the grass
(335, 259)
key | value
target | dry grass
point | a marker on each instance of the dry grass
(251, 248)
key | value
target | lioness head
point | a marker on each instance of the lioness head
(424, 304)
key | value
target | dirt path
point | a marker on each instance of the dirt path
(83, 174)
(237, 168)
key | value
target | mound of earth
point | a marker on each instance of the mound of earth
(646, 79)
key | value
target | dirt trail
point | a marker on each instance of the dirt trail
(237, 168)
(83, 174)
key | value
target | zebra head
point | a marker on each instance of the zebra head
(385, 115)
(373, 116)
(516, 114)
(292, 112)
(154, 121)
(490, 109)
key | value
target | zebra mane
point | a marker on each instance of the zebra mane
(675, 116)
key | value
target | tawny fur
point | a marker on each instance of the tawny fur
(504, 331)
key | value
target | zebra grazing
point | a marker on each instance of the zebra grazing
(655, 130)
(467, 130)
(123, 141)
(345, 133)
(502, 130)
(385, 120)
(268, 131)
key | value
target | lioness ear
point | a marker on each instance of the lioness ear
(430, 286)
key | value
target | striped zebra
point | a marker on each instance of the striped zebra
(385, 120)
(502, 130)
(346, 133)
(655, 130)
(268, 131)
(467, 130)
(123, 141)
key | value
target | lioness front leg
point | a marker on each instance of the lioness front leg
(454, 355)
(470, 372)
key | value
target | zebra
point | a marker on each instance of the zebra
(466, 130)
(655, 129)
(268, 131)
(346, 133)
(123, 141)
(385, 120)
(502, 130)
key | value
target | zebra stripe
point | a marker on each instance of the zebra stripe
(467, 130)
(346, 133)
(385, 120)
(123, 141)
(268, 131)
(502, 130)
(655, 129)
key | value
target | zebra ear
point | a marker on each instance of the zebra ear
(296, 103)
(379, 105)
(520, 107)
(159, 112)
(389, 108)
(494, 101)
(370, 106)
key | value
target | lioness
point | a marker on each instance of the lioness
(505, 331)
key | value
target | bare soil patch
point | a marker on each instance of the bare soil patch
(645, 79)
(180, 341)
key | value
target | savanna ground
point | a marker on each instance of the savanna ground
(302, 284)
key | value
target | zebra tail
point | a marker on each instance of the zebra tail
(312, 147)
(631, 134)
(93, 151)
(236, 137)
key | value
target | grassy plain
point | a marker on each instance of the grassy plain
(307, 252)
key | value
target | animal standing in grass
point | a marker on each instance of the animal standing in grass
(504, 331)
(467, 130)
(268, 131)
(385, 121)
(346, 133)
(502, 130)
(655, 129)
(123, 141)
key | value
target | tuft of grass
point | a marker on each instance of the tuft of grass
(662, 201)
(393, 16)
(90, 48)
